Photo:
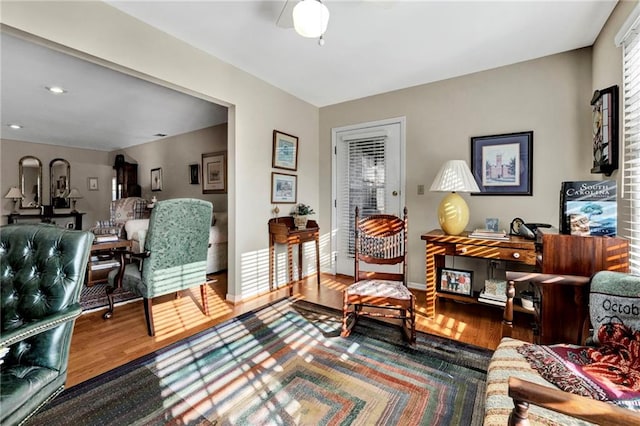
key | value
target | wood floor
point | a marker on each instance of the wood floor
(98, 346)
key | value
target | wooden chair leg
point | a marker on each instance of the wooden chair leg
(346, 328)
(205, 301)
(148, 314)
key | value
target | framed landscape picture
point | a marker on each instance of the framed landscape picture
(503, 164)
(214, 173)
(283, 188)
(285, 151)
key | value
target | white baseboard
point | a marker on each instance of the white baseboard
(417, 286)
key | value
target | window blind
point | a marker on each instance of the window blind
(363, 169)
(630, 201)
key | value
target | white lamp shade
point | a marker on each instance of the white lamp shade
(14, 193)
(455, 176)
(74, 194)
(310, 18)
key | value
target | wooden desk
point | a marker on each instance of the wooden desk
(283, 231)
(439, 245)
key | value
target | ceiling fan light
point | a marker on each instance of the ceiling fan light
(310, 18)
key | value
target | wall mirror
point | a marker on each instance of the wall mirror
(60, 174)
(30, 169)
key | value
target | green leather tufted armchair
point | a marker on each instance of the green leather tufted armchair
(42, 270)
(175, 254)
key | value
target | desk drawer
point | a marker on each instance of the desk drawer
(502, 253)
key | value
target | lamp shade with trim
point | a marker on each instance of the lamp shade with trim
(453, 213)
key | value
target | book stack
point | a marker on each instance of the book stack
(487, 234)
(104, 264)
(105, 238)
(494, 292)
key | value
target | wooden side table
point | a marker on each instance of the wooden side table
(283, 231)
(115, 249)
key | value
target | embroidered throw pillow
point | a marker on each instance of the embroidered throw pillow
(614, 298)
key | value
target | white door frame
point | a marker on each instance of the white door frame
(334, 173)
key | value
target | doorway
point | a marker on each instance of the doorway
(368, 172)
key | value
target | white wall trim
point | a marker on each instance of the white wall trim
(629, 25)
(417, 286)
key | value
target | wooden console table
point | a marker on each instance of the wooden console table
(283, 231)
(15, 218)
(439, 245)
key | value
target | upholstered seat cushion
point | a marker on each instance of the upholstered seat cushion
(384, 288)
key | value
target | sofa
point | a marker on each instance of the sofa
(539, 383)
(136, 231)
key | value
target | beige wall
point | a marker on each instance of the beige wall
(256, 108)
(174, 155)
(83, 162)
(549, 96)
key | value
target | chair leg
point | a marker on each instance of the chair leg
(205, 302)
(148, 314)
(346, 327)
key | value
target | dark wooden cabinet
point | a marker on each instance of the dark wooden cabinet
(561, 290)
(55, 218)
(127, 180)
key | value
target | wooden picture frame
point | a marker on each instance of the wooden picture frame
(214, 172)
(194, 174)
(503, 164)
(285, 151)
(284, 188)
(455, 281)
(156, 179)
(604, 107)
(92, 184)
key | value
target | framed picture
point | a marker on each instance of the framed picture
(503, 164)
(285, 151)
(156, 179)
(284, 188)
(194, 174)
(456, 281)
(604, 106)
(214, 173)
(92, 183)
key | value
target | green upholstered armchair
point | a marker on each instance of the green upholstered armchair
(174, 256)
(42, 272)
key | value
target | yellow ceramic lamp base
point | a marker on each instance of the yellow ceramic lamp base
(453, 214)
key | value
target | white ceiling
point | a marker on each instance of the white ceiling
(371, 47)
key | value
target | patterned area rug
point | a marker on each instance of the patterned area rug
(285, 364)
(95, 297)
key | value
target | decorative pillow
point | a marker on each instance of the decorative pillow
(134, 227)
(614, 298)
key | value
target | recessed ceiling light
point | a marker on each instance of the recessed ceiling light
(55, 89)
(15, 126)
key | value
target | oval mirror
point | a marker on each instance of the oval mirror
(60, 174)
(30, 169)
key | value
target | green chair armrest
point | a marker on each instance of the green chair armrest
(27, 330)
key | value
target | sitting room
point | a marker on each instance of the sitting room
(188, 109)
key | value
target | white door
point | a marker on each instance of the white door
(368, 172)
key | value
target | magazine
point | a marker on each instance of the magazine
(588, 208)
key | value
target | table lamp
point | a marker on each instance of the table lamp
(15, 195)
(453, 213)
(74, 196)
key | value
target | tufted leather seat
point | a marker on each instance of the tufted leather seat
(42, 270)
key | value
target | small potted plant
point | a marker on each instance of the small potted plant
(300, 215)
